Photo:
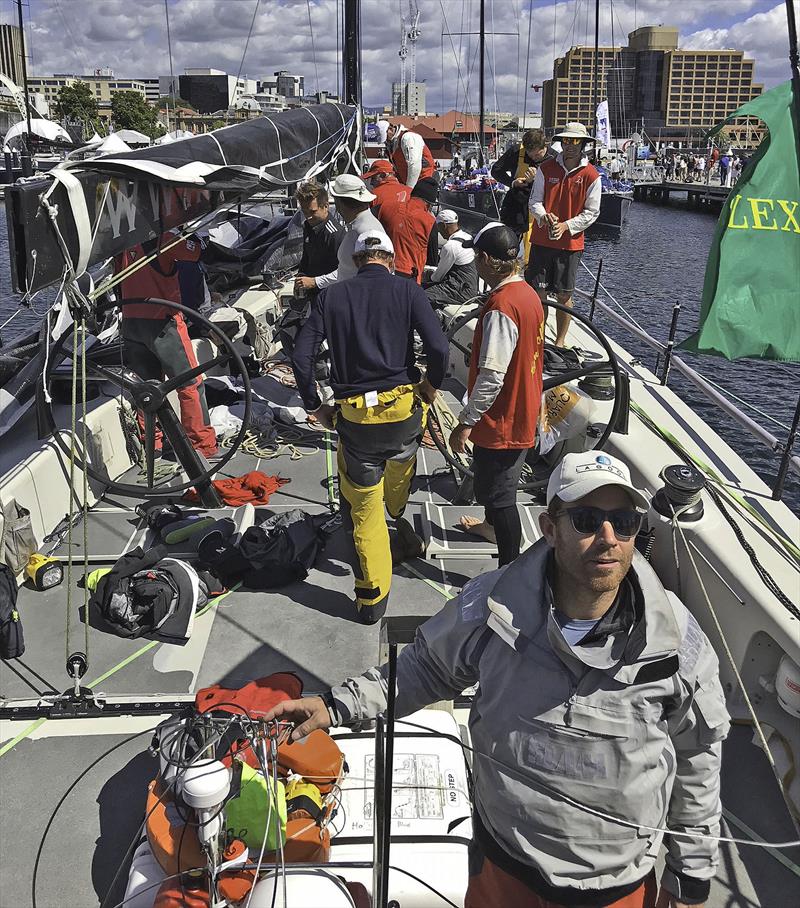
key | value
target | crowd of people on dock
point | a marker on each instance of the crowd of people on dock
(724, 168)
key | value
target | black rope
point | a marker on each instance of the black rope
(767, 579)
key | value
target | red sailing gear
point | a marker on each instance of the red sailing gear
(391, 190)
(511, 420)
(255, 487)
(156, 339)
(401, 164)
(158, 280)
(408, 225)
(565, 196)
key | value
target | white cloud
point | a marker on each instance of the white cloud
(130, 37)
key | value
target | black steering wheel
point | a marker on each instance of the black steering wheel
(610, 362)
(150, 397)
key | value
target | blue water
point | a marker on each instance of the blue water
(658, 258)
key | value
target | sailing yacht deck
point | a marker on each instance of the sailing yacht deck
(310, 628)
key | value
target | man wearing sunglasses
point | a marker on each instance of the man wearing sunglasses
(598, 718)
(564, 201)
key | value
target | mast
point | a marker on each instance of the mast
(481, 104)
(351, 57)
(595, 86)
(26, 158)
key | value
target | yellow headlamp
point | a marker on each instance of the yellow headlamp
(44, 571)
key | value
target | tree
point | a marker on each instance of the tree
(167, 102)
(76, 102)
(129, 110)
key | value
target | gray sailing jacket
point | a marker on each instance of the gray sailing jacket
(630, 726)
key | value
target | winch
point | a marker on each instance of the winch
(681, 493)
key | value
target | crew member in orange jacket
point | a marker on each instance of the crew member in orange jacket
(505, 388)
(564, 201)
(155, 338)
(384, 185)
(410, 226)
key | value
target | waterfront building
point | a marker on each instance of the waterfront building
(11, 53)
(102, 83)
(570, 94)
(674, 94)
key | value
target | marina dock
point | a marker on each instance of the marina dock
(699, 195)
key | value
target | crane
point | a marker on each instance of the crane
(409, 35)
(403, 54)
(413, 36)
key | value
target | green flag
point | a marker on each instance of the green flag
(751, 293)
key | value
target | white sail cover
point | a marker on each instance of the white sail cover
(45, 129)
(603, 129)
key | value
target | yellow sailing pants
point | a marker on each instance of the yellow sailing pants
(377, 459)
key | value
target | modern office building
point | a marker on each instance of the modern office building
(11, 53)
(283, 83)
(152, 88)
(212, 90)
(408, 101)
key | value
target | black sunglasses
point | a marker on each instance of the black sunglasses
(587, 521)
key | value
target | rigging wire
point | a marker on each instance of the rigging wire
(244, 54)
(527, 67)
(171, 70)
(313, 46)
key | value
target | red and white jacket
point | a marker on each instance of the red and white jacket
(574, 196)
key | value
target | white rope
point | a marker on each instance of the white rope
(676, 527)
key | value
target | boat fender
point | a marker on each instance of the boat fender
(144, 875)
(185, 892)
(169, 837)
(317, 757)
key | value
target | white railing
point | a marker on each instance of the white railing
(707, 389)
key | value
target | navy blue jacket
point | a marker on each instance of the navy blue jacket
(368, 322)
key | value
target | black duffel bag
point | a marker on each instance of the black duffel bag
(12, 641)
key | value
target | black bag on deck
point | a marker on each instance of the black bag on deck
(12, 642)
(282, 548)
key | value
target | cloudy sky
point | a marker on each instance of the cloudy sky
(130, 36)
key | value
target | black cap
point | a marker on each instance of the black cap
(496, 240)
(426, 189)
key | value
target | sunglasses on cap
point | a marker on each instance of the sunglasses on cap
(586, 521)
(571, 140)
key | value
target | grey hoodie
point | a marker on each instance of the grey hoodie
(630, 726)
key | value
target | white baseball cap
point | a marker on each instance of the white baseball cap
(373, 241)
(579, 474)
(349, 186)
(447, 216)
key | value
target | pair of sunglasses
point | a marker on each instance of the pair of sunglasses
(571, 141)
(626, 522)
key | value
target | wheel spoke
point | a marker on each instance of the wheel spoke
(114, 376)
(564, 378)
(149, 447)
(185, 377)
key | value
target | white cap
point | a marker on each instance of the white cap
(349, 186)
(373, 241)
(447, 216)
(579, 474)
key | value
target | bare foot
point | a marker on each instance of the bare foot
(478, 527)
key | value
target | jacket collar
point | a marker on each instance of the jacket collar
(521, 614)
(560, 160)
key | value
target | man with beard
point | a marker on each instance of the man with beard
(598, 720)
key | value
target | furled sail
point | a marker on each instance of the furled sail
(91, 210)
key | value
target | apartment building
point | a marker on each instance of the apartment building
(570, 94)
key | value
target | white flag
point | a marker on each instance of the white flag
(603, 132)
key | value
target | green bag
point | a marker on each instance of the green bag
(246, 814)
